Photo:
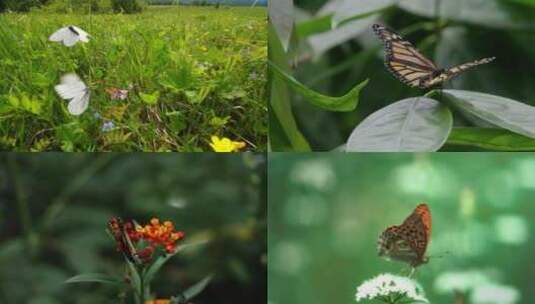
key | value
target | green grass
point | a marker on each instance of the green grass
(207, 67)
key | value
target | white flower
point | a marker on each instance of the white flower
(389, 285)
(448, 282)
(494, 294)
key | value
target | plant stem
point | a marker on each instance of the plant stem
(142, 284)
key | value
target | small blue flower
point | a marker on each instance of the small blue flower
(108, 126)
(97, 115)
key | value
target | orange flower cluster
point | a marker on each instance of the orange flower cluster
(129, 236)
(158, 234)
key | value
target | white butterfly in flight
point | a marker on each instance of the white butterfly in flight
(69, 35)
(73, 89)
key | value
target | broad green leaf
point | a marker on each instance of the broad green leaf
(282, 18)
(322, 42)
(313, 25)
(344, 103)
(347, 9)
(280, 107)
(491, 139)
(150, 99)
(499, 111)
(196, 289)
(95, 278)
(418, 124)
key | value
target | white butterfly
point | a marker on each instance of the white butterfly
(75, 90)
(69, 35)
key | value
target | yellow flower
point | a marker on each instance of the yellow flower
(226, 145)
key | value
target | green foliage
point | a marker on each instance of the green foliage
(56, 228)
(127, 6)
(187, 68)
(334, 51)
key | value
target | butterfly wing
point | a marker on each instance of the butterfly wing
(65, 35)
(403, 60)
(455, 71)
(79, 104)
(59, 35)
(416, 230)
(73, 89)
(393, 245)
(84, 36)
(408, 241)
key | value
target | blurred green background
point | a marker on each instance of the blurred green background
(54, 209)
(334, 60)
(326, 212)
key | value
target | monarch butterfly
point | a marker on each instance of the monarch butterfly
(411, 67)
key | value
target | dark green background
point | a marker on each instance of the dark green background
(326, 212)
(54, 209)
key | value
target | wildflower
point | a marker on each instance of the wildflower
(139, 244)
(388, 285)
(117, 94)
(158, 234)
(226, 145)
(97, 115)
(494, 294)
(107, 126)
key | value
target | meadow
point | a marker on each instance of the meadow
(191, 72)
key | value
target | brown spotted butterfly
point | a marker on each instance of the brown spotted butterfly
(408, 241)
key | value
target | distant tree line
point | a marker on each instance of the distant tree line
(124, 6)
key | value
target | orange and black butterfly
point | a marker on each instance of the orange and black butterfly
(411, 67)
(408, 241)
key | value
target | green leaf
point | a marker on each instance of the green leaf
(489, 12)
(499, 111)
(31, 105)
(150, 99)
(314, 25)
(418, 124)
(95, 278)
(281, 15)
(155, 267)
(13, 101)
(344, 103)
(491, 139)
(135, 278)
(196, 289)
(280, 108)
(347, 10)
